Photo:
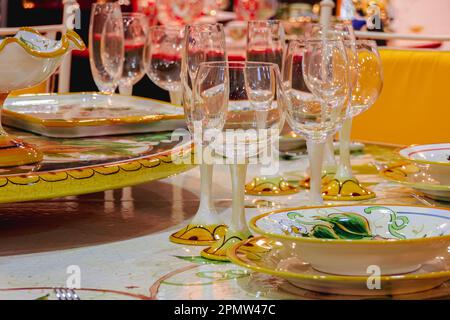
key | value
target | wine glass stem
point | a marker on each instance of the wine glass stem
(315, 154)
(329, 164)
(344, 171)
(206, 213)
(175, 97)
(126, 90)
(238, 222)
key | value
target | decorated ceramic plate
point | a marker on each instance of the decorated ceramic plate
(268, 256)
(418, 178)
(90, 114)
(85, 165)
(433, 159)
(351, 239)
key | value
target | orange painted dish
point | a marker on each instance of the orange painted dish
(77, 115)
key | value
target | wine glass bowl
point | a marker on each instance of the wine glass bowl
(164, 51)
(106, 45)
(135, 27)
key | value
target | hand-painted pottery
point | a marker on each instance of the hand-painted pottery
(354, 239)
(90, 114)
(269, 256)
(434, 159)
(411, 175)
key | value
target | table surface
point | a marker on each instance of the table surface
(118, 239)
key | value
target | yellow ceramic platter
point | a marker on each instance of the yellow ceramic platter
(79, 166)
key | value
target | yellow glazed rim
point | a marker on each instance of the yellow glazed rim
(93, 122)
(419, 160)
(252, 225)
(423, 186)
(69, 36)
(234, 258)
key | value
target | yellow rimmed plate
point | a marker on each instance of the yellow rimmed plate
(413, 176)
(90, 114)
(85, 165)
(264, 255)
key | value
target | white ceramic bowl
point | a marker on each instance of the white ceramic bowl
(29, 58)
(360, 239)
(434, 159)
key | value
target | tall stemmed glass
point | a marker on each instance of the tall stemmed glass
(135, 27)
(345, 32)
(317, 97)
(163, 63)
(202, 43)
(245, 124)
(365, 91)
(106, 53)
(266, 43)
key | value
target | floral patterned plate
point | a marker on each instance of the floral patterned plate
(269, 256)
(90, 114)
(353, 239)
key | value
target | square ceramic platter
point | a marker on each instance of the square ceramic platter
(90, 114)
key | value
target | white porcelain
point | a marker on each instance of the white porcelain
(29, 58)
(352, 239)
(269, 256)
(434, 159)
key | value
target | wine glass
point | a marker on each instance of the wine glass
(106, 45)
(344, 31)
(318, 97)
(242, 102)
(164, 50)
(266, 43)
(364, 92)
(202, 42)
(135, 27)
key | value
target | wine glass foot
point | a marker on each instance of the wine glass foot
(268, 186)
(199, 234)
(346, 190)
(15, 152)
(218, 251)
(326, 178)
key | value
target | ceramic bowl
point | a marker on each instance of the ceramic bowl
(360, 239)
(29, 58)
(433, 159)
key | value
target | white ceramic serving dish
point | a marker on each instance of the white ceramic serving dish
(354, 239)
(90, 114)
(434, 159)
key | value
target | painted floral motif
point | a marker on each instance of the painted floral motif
(345, 225)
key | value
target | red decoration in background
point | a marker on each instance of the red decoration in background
(255, 9)
(147, 7)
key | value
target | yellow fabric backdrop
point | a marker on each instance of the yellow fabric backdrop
(414, 106)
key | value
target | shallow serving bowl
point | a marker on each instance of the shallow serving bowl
(434, 159)
(360, 239)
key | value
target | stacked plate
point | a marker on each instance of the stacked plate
(353, 249)
(425, 168)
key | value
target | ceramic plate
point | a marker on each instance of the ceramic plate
(90, 114)
(428, 153)
(85, 165)
(417, 178)
(349, 239)
(268, 256)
